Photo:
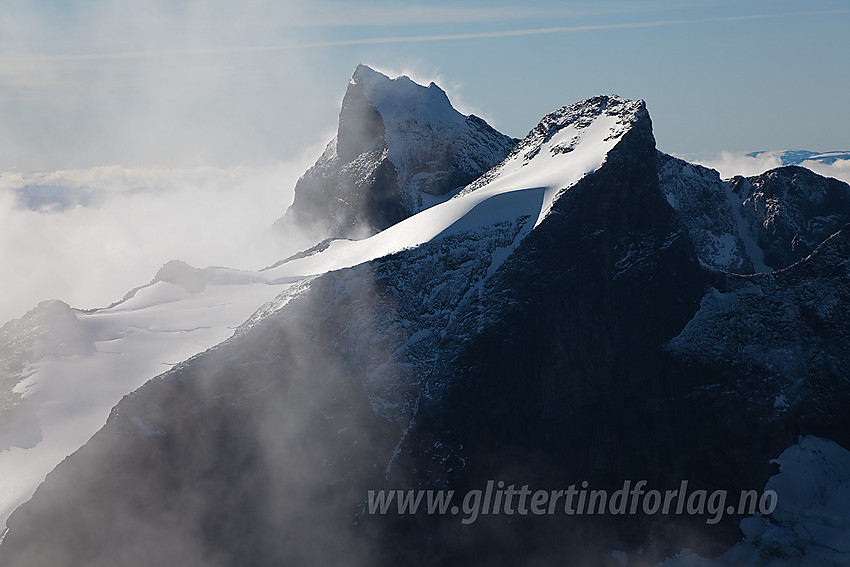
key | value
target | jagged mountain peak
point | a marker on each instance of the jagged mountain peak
(401, 99)
(583, 112)
(620, 114)
(400, 148)
(571, 140)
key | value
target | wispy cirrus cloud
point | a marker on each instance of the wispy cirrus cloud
(413, 15)
(138, 54)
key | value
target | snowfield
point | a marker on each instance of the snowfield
(810, 524)
(64, 398)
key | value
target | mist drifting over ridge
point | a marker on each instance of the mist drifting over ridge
(88, 236)
(146, 132)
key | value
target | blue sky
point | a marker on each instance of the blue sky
(185, 83)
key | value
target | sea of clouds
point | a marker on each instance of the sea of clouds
(730, 164)
(88, 236)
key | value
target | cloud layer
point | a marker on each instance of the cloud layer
(88, 236)
(730, 164)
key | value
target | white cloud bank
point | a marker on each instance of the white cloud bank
(840, 169)
(88, 236)
(730, 164)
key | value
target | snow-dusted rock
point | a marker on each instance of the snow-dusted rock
(755, 224)
(711, 212)
(810, 525)
(400, 148)
(791, 211)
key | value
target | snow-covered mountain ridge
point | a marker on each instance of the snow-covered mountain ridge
(572, 138)
(494, 219)
(588, 308)
(191, 296)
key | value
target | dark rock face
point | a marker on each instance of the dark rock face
(353, 189)
(792, 210)
(777, 344)
(353, 200)
(374, 174)
(568, 384)
(361, 128)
